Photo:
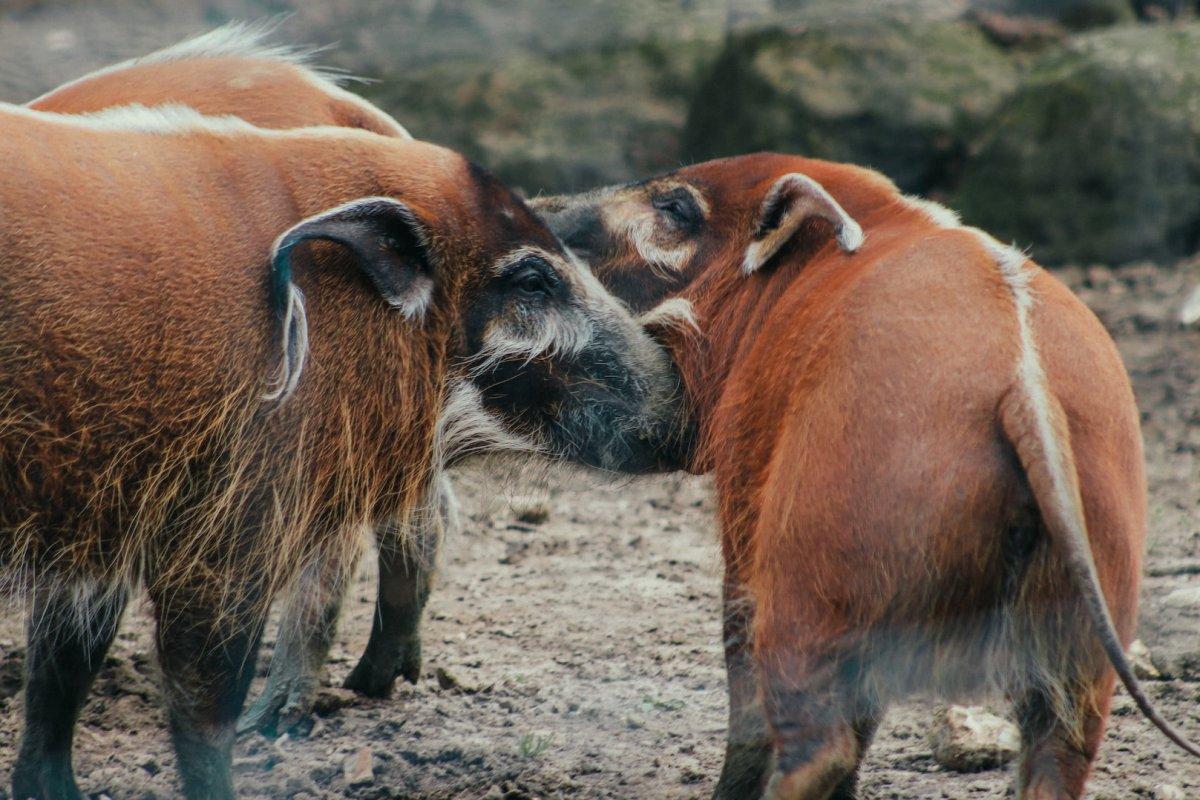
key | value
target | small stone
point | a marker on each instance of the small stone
(1167, 791)
(1189, 312)
(359, 767)
(449, 682)
(530, 510)
(691, 772)
(1183, 598)
(246, 765)
(332, 699)
(1143, 666)
(969, 739)
(446, 681)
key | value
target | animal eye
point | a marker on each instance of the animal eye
(678, 207)
(532, 277)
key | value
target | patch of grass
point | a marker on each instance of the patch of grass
(533, 745)
(654, 704)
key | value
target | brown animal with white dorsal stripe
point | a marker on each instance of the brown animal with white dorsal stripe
(236, 71)
(926, 452)
(195, 400)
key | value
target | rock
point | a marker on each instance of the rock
(530, 509)
(359, 767)
(901, 95)
(1167, 791)
(969, 739)
(1186, 598)
(1143, 666)
(555, 123)
(1028, 33)
(691, 772)
(247, 765)
(1096, 156)
(450, 682)
(1181, 662)
(331, 699)
(1189, 312)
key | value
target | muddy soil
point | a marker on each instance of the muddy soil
(580, 657)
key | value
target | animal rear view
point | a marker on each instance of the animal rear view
(236, 70)
(224, 351)
(927, 457)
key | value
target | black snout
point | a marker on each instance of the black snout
(593, 414)
(579, 227)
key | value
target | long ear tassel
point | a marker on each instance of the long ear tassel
(295, 347)
(288, 301)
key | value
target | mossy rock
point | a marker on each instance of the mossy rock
(548, 124)
(1077, 15)
(902, 96)
(1097, 156)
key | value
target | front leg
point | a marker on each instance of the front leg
(70, 629)
(407, 556)
(207, 654)
(298, 665)
(748, 743)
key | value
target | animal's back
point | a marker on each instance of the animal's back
(230, 70)
(883, 484)
(115, 241)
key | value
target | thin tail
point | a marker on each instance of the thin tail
(1034, 422)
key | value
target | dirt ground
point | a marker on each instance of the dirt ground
(581, 656)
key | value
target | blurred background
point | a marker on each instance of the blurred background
(1072, 126)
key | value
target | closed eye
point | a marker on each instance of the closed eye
(678, 208)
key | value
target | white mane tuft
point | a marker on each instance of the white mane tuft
(238, 39)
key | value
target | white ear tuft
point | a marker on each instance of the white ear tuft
(793, 199)
(676, 313)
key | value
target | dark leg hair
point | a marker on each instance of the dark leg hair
(822, 722)
(305, 635)
(406, 560)
(207, 656)
(69, 632)
(748, 744)
(1055, 764)
(864, 731)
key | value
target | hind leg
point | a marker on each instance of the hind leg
(748, 743)
(1055, 763)
(865, 726)
(207, 655)
(822, 723)
(69, 634)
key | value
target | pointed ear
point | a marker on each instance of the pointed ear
(389, 243)
(792, 200)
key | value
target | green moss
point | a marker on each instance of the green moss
(556, 123)
(1097, 156)
(901, 96)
